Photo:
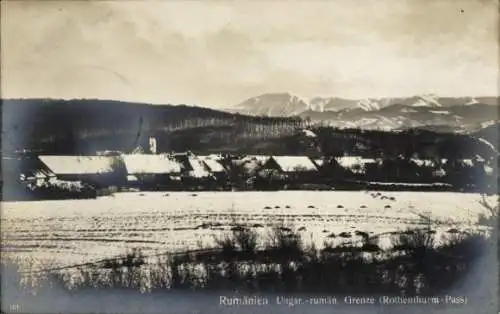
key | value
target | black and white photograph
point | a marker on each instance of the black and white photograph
(249, 156)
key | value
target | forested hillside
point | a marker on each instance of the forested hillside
(86, 126)
(83, 126)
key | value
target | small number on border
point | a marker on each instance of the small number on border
(15, 307)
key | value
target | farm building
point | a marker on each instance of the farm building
(38, 176)
(297, 168)
(261, 159)
(26, 170)
(355, 164)
(292, 164)
(144, 169)
(439, 173)
(192, 166)
(197, 168)
(467, 162)
(95, 170)
(423, 162)
(330, 170)
(213, 165)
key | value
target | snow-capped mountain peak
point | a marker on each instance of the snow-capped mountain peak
(443, 113)
(318, 104)
(430, 101)
(276, 104)
(368, 105)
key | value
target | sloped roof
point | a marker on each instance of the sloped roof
(467, 162)
(25, 167)
(355, 164)
(150, 164)
(46, 172)
(213, 165)
(62, 165)
(423, 162)
(211, 156)
(259, 158)
(349, 161)
(295, 163)
(319, 162)
(198, 168)
(488, 169)
(39, 175)
(182, 154)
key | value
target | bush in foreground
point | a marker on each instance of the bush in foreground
(414, 265)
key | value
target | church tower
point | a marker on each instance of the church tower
(152, 145)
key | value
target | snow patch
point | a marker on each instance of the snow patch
(368, 105)
(295, 163)
(445, 112)
(488, 123)
(431, 99)
(309, 133)
(428, 101)
(421, 103)
(150, 164)
(407, 110)
(473, 101)
(482, 140)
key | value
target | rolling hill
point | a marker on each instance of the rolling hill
(83, 126)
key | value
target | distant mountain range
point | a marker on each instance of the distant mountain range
(463, 114)
(86, 126)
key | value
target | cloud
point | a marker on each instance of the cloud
(220, 53)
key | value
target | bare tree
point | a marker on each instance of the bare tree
(493, 210)
(494, 223)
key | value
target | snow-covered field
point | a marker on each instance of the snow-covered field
(73, 231)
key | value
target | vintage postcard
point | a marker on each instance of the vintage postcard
(249, 156)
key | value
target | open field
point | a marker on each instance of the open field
(67, 232)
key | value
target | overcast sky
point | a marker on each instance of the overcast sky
(221, 53)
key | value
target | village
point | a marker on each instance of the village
(52, 176)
